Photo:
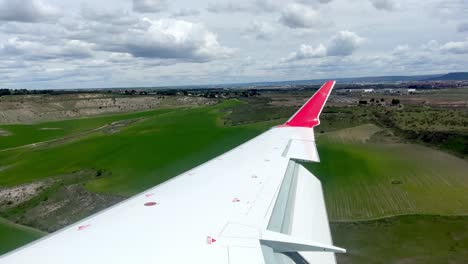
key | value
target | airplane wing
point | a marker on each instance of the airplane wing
(253, 204)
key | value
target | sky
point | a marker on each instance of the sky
(61, 44)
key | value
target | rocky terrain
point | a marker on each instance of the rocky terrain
(24, 109)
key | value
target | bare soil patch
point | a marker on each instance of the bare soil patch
(12, 196)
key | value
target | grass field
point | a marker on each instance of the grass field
(403, 239)
(13, 235)
(138, 157)
(27, 134)
(364, 180)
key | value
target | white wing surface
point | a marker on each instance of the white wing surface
(253, 204)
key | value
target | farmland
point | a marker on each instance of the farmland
(366, 180)
(14, 236)
(403, 239)
(372, 166)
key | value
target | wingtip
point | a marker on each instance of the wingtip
(308, 115)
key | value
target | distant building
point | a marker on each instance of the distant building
(368, 90)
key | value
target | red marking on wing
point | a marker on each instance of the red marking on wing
(210, 240)
(236, 200)
(83, 227)
(149, 194)
(308, 115)
(151, 203)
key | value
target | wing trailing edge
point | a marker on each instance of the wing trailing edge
(308, 115)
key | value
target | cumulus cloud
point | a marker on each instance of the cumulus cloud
(431, 46)
(300, 16)
(401, 49)
(308, 52)
(28, 11)
(260, 30)
(168, 39)
(452, 47)
(388, 5)
(460, 47)
(344, 43)
(149, 6)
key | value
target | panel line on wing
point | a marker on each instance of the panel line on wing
(286, 149)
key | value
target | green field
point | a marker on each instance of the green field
(21, 135)
(160, 145)
(13, 236)
(366, 180)
(403, 239)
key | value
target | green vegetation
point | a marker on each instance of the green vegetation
(257, 109)
(367, 171)
(366, 180)
(27, 134)
(138, 156)
(13, 235)
(63, 202)
(403, 239)
(432, 119)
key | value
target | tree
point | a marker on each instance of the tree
(395, 102)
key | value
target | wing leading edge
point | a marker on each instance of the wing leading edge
(253, 204)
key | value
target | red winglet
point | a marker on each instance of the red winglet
(308, 115)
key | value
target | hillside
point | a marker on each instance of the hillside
(453, 76)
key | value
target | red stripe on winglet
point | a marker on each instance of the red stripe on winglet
(308, 115)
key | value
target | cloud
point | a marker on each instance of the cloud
(460, 47)
(308, 52)
(186, 12)
(431, 46)
(463, 27)
(30, 50)
(115, 17)
(257, 6)
(149, 6)
(168, 39)
(266, 6)
(401, 49)
(451, 9)
(314, 1)
(344, 43)
(260, 30)
(300, 16)
(227, 7)
(388, 5)
(28, 11)
(452, 47)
